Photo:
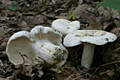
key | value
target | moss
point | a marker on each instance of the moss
(115, 4)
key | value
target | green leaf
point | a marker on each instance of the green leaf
(13, 5)
(115, 4)
(71, 15)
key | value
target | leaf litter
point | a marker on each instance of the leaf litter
(30, 13)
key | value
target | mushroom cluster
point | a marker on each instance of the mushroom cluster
(44, 44)
(41, 44)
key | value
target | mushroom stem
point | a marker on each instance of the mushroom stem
(87, 56)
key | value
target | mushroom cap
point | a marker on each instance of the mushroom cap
(65, 26)
(39, 32)
(18, 46)
(36, 46)
(97, 37)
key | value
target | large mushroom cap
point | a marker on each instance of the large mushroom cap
(97, 37)
(39, 45)
(65, 26)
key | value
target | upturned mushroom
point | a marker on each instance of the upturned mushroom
(65, 26)
(89, 38)
(42, 44)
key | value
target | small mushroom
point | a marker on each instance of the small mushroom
(42, 44)
(65, 26)
(89, 38)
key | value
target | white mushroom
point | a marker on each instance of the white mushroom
(65, 26)
(89, 38)
(42, 44)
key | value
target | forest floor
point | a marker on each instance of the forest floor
(26, 14)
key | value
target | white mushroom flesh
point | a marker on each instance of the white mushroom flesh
(47, 50)
(87, 56)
